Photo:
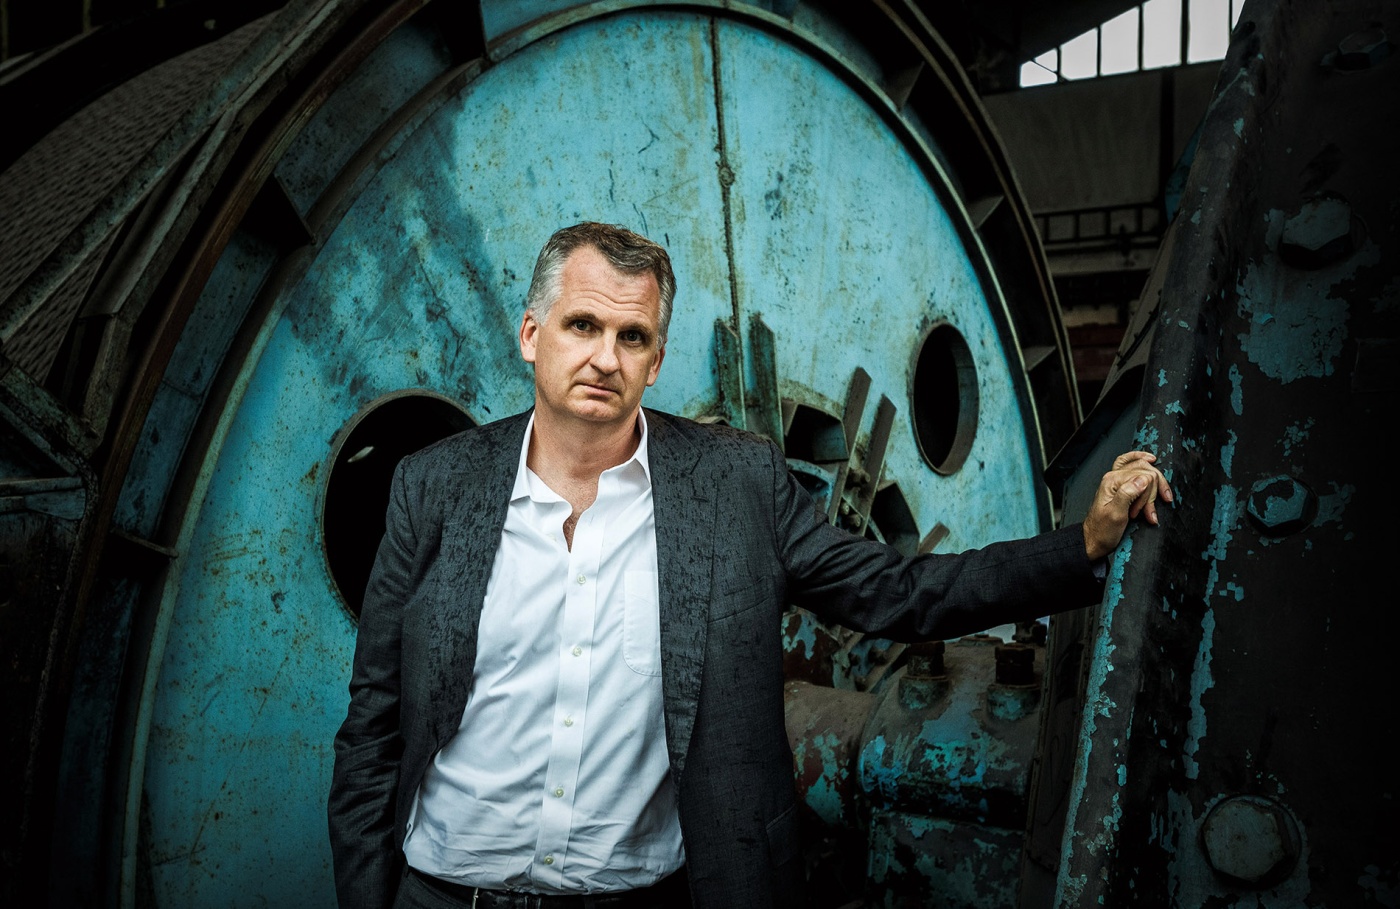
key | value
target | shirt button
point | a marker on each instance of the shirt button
(582, 579)
(578, 651)
(549, 860)
(568, 721)
(559, 793)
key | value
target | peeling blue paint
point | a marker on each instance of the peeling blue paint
(1175, 408)
(1223, 521)
(1239, 126)
(805, 636)
(1227, 455)
(1236, 392)
(1278, 509)
(1201, 682)
(880, 777)
(1231, 588)
(1383, 892)
(1296, 434)
(1331, 505)
(823, 794)
(1097, 703)
(1161, 377)
(1293, 333)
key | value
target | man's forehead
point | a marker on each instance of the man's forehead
(637, 313)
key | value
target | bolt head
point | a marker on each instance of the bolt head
(1322, 231)
(1281, 505)
(1362, 49)
(1251, 841)
(1015, 664)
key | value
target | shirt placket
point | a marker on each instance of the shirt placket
(567, 739)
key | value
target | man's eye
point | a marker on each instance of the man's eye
(632, 337)
(581, 325)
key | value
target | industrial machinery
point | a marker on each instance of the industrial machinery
(266, 268)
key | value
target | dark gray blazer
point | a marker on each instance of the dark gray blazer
(737, 540)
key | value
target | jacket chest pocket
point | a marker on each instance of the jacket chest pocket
(641, 623)
(742, 592)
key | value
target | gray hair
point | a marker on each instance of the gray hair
(626, 251)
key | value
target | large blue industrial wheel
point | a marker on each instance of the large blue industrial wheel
(857, 279)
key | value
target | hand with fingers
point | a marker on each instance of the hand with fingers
(1130, 489)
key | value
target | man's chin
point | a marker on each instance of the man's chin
(598, 411)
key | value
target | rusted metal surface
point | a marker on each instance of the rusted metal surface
(333, 225)
(1225, 753)
(945, 763)
(824, 725)
(419, 285)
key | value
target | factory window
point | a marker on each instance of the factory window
(1150, 35)
(362, 465)
(945, 399)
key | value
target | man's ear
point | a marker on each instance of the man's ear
(656, 367)
(529, 333)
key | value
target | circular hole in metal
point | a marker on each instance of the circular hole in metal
(362, 467)
(945, 399)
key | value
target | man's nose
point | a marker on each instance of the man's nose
(605, 357)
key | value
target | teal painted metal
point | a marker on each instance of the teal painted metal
(1225, 749)
(945, 763)
(798, 204)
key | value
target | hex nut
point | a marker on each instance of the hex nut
(1362, 49)
(925, 660)
(1322, 231)
(1251, 841)
(1281, 505)
(1015, 664)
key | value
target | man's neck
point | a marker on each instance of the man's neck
(575, 452)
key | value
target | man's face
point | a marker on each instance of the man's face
(596, 350)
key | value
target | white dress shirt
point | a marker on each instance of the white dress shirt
(558, 778)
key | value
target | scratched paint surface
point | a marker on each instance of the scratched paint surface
(873, 258)
(948, 787)
(420, 287)
(1240, 646)
(920, 861)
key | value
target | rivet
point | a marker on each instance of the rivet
(1251, 841)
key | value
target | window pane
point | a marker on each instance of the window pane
(1120, 43)
(1041, 70)
(1210, 30)
(1080, 56)
(1161, 33)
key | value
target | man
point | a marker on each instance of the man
(567, 687)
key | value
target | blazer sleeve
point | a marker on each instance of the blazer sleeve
(368, 748)
(871, 587)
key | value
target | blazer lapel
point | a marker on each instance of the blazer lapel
(685, 516)
(478, 497)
